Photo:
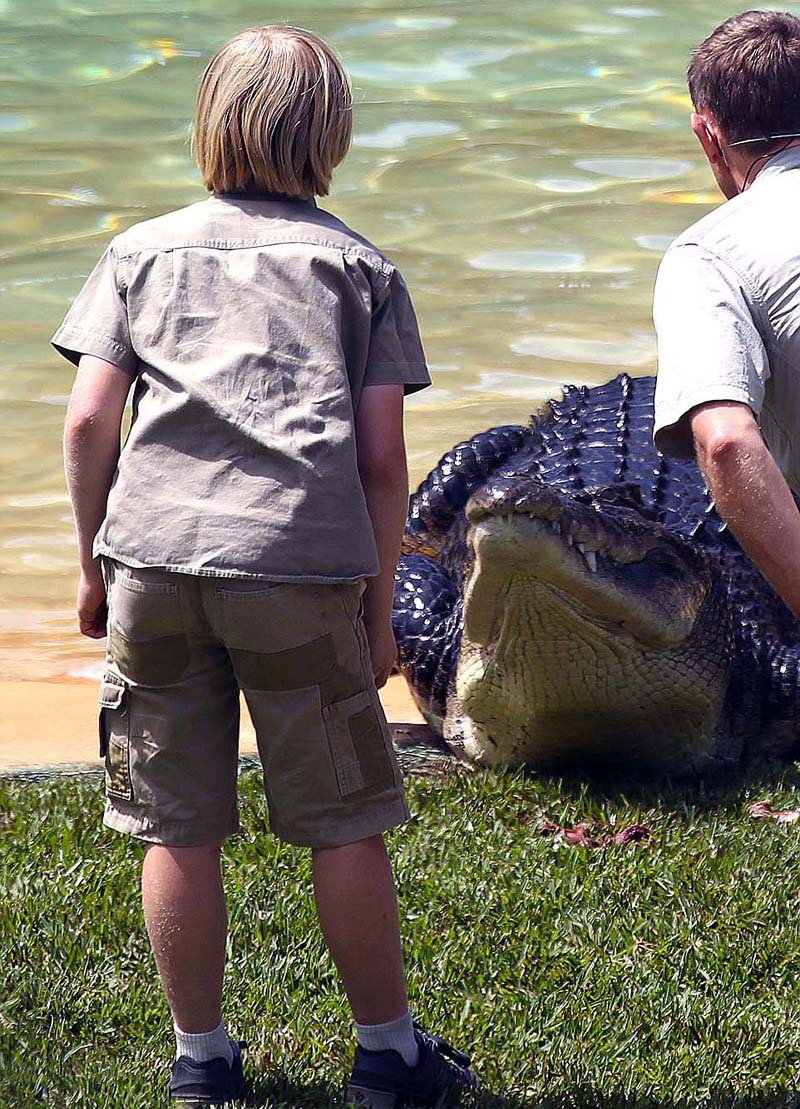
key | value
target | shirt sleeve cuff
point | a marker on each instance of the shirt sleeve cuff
(72, 344)
(411, 377)
(671, 433)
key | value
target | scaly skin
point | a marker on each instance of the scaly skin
(567, 597)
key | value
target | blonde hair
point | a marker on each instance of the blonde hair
(274, 113)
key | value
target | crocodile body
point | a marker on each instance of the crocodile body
(567, 595)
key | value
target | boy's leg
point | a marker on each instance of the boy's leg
(396, 1062)
(186, 917)
(357, 909)
(169, 729)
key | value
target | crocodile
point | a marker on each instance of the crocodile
(567, 597)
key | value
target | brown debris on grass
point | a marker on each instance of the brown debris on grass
(595, 835)
(762, 810)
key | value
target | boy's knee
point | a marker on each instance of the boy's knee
(197, 851)
(374, 843)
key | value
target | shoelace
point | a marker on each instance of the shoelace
(442, 1046)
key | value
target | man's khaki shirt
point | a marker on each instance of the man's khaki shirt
(250, 327)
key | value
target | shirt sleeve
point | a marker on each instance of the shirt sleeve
(395, 347)
(97, 322)
(709, 347)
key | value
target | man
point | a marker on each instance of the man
(727, 300)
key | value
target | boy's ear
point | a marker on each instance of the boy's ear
(705, 130)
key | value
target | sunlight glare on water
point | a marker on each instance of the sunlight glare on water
(524, 166)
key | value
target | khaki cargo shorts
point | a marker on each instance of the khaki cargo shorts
(180, 647)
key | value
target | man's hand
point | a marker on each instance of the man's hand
(92, 611)
(750, 492)
(382, 649)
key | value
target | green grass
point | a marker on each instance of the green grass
(665, 975)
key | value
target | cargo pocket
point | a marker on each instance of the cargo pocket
(115, 736)
(358, 746)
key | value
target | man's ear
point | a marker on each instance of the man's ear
(707, 137)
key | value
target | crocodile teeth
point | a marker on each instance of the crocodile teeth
(589, 557)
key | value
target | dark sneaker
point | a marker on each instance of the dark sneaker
(211, 1083)
(382, 1080)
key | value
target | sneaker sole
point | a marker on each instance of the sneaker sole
(193, 1101)
(205, 1102)
(362, 1097)
(359, 1097)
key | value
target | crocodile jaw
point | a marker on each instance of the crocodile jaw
(560, 664)
(659, 615)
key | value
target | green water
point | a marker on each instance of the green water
(524, 164)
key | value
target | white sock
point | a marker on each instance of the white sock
(395, 1035)
(202, 1046)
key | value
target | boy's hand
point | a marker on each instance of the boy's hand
(382, 649)
(92, 611)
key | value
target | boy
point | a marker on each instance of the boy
(263, 480)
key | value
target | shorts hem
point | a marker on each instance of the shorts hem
(175, 833)
(342, 832)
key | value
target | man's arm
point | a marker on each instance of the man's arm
(91, 451)
(384, 478)
(750, 492)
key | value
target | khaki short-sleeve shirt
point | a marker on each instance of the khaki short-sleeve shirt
(727, 313)
(250, 326)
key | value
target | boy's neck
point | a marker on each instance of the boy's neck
(254, 193)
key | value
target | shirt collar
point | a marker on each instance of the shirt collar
(261, 194)
(779, 163)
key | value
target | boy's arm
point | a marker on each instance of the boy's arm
(91, 450)
(384, 477)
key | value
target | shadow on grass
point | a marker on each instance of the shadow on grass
(589, 1098)
(705, 794)
(282, 1093)
(422, 753)
(277, 1092)
(586, 1098)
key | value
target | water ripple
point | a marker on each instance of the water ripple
(636, 169)
(634, 350)
(394, 136)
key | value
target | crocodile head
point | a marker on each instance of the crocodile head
(592, 634)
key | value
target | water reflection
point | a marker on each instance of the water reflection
(525, 172)
(634, 169)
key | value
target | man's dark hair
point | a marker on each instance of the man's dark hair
(747, 75)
